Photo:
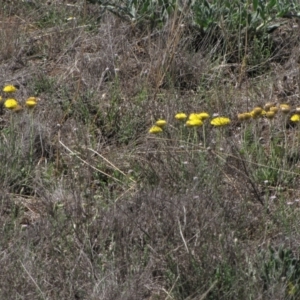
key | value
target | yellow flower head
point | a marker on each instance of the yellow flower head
(31, 102)
(270, 114)
(268, 105)
(194, 116)
(11, 103)
(256, 112)
(180, 116)
(244, 116)
(295, 118)
(32, 98)
(247, 116)
(285, 108)
(220, 121)
(155, 129)
(9, 89)
(194, 122)
(161, 123)
(241, 117)
(203, 116)
(263, 113)
(274, 109)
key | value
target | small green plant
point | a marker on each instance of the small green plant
(253, 16)
(140, 11)
(52, 17)
(42, 83)
(281, 265)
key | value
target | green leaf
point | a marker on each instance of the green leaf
(255, 4)
(271, 4)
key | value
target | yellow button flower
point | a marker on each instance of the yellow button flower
(241, 117)
(220, 121)
(32, 99)
(194, 116)
(247, 116)
(9, 89)
(31, 102)
(270, 114)
(161, 123)
(295, 118)
(180, 116)
(244, 116)
(194, 123)
(203, 116)
(11, 103)
(274, 109)
(268, 105)
(155, 129)
(256, 112)
(285, 108)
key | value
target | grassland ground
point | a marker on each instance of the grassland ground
(93, 206)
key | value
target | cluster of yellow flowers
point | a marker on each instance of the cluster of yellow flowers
(158, 126)
(193, 120)
(12, 104)
(269, 111)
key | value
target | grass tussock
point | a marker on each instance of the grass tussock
(149, 151)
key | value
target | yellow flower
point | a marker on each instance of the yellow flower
(203, 116)
(295, 118)
(32, 98)
(256, 112)
(285, 108)
(274, 109)
(268, 105)
(244, 116)
(194, 122)
(11, 103)
(161, 123)
(9, 89)
(180, 116)
(241, 117)
(31, 102)
(247, 116)
(194, 116)
(270, 114)
(220, 121)
(155, 129)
